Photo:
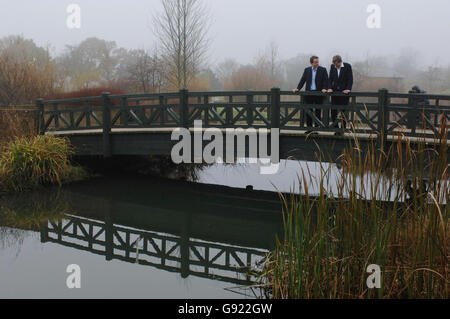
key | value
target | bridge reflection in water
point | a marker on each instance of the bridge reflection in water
(209, 231)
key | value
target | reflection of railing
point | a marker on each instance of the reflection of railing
(381, 113)
(162, 251)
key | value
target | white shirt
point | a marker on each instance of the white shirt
(339, 70)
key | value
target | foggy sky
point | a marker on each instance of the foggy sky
(242, 28)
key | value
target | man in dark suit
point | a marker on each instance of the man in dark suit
(316, 79)
(341, 81)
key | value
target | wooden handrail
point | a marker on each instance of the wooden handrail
(379, 117)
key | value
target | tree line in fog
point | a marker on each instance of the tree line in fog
(180, 58)
(28, 71)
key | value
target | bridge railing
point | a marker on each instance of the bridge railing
(375, 113)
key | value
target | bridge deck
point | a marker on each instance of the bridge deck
(346, 135)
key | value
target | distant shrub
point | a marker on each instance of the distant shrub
(89, 92)
(16, 122)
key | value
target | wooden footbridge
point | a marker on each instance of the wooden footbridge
(142, 124)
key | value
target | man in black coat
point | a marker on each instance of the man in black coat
(340, 81)
(316, 80)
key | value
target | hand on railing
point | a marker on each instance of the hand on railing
(324, 91)
(297, 90)
(345, 91)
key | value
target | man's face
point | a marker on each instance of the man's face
(315, 63)
(338, 64)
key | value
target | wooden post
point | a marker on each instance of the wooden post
(109, 231)
(124, 109)
(326, 111)
(275, 108)
(162, 102)
(106, 125)
(184, 108)
(302, 110)
(43, 228)
(250, 118)
(383, 117)
(206, 103)
(185, 246)
(72, 121)
(40, 117)
(88, 110)
(56, 115)
(413, 113)
(229, 112)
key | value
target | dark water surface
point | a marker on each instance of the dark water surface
(147, 237)
(135, 237)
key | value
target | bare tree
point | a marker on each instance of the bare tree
(293, 68)
(273, 53)
(225, 69)
(248, 77)
(13, 79)
(144, 70)
(182, 30)
(268, 65)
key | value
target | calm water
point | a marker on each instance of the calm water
(144, 237)
(135, 237)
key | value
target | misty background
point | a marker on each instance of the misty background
(253, 44)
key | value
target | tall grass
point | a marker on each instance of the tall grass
(28, 162)
(390, 209)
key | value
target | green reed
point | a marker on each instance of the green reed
(390, 209)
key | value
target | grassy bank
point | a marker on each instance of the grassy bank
(28, 160)
(31, 161)
(330, 240)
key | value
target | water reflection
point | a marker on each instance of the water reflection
(157, 237)
(195, 230)
(327, 177)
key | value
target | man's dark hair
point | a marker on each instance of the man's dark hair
(311, 60)
(337, 59)
(416, 89)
